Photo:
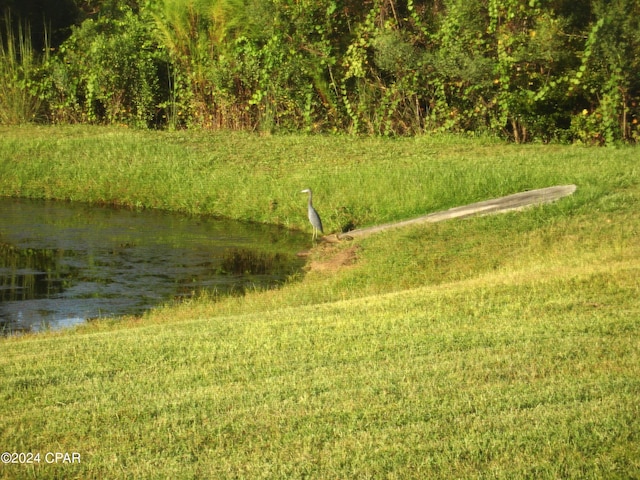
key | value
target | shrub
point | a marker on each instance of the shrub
(107, 72)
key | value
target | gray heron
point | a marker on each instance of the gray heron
(314, 218)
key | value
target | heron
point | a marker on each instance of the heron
(314, 218)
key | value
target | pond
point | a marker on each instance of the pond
(63, 263)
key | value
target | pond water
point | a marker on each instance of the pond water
(63, 263)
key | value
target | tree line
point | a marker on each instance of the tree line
(527, 70)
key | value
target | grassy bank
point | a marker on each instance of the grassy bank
(357, 181)
(495, 347)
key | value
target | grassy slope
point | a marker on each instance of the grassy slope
(501, 346)
(361, 181)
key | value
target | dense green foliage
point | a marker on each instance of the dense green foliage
(524, 69)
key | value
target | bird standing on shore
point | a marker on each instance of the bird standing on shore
(314, 218)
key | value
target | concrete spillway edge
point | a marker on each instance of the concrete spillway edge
(516, 201)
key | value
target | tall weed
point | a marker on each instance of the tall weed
(20, 69)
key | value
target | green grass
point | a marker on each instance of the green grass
(356, 181)
(19, 67)
(493, 347)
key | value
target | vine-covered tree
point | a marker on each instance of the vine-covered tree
(528, 70)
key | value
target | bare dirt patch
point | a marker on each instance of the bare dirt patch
(335, 262)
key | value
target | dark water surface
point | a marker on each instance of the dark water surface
(63, 263)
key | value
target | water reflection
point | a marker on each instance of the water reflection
(63, 263)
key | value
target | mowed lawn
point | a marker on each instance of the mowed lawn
(493, 347)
